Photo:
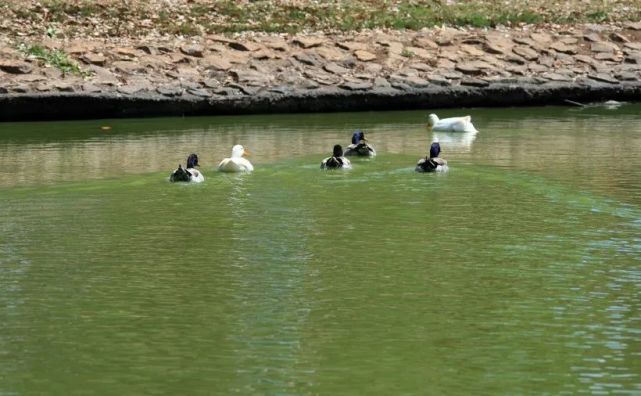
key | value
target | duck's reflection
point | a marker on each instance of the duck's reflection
(455, 141)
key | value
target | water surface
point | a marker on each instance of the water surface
(517, 272)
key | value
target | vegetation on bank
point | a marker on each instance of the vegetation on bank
(56, 58)
(137, 18)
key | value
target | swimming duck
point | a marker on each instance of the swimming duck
(336, 161)
(359, 146)
(453, 124)
(433, 163)
(236, 163)
(190, 174)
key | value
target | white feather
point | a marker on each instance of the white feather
(452, 124)
(236, 163)
(196, 175)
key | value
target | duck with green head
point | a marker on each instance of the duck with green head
(360, 146)
(337, 160)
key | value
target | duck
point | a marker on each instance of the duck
(236, 163)
(453, 124)
(360, 147)
(189, 173)
(433, 163)
(612, 104)
(337, 160)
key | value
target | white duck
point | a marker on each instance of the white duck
(236, 163)
(190, 174)
(453, 124)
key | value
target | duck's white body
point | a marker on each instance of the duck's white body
(196, 175)
(452, 124)
(236, 163)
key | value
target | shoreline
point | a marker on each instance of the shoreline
(71, 106)
(359, 71)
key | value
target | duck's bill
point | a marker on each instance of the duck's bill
(246, 153)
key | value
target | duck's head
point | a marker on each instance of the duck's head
(338, 151)
(357, 136)
(192, 161)
(432, 119)
(239, 151)
(435, 149)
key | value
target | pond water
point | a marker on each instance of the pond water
(517, 272)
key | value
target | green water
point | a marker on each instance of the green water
(517, 272)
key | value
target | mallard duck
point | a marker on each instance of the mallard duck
(453, 124)
(336, 161)
(433, 163)
(360, 146)
(236, 163)
(190, 174)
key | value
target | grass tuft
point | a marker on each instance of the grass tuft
(56, 58)
(407, 53)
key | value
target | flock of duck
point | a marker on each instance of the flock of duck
(359, 147)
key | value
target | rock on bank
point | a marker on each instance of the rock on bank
(255, 73)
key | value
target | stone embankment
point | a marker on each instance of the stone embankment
(258, 73)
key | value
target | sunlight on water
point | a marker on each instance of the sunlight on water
(517, 272)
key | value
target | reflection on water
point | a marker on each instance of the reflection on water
(527, 138)
(517, 272)
(162, 151)
(456, 142)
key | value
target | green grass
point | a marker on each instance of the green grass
(407, 53)
(192, 17)
(59, 10)
(413, 15)
(56, 58)
(598, 16)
